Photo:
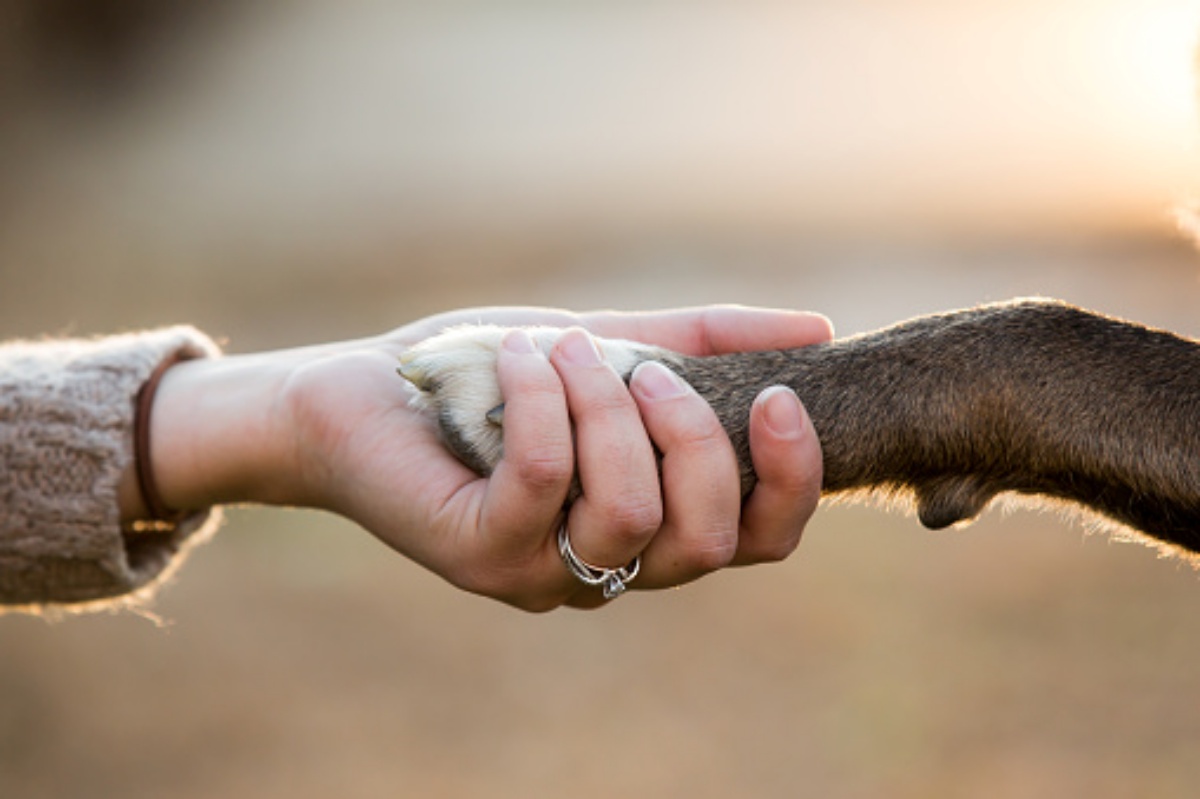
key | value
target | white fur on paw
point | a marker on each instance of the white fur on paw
(455, 372)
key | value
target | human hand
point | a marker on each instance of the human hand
(336, 431)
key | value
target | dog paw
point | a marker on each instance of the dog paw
(455, 374)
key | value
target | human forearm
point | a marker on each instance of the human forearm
(225, 431)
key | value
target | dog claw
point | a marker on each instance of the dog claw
(496, 415)
(410, 371)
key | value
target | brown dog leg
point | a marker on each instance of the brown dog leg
(1035, 398)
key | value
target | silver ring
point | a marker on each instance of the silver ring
(613, 581)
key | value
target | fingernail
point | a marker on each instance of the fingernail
(518, 341)
(657, 382)
(781, 411)
(578, 348)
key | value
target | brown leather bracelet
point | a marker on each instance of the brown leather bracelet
(158, 510)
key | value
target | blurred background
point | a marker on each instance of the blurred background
(287, 173)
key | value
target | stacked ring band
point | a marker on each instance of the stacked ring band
(612, 581)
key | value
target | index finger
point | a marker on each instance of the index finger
(715, 330)
(529, 485)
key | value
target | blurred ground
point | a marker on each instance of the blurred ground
(282, 176)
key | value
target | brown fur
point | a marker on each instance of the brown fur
(1033, 397)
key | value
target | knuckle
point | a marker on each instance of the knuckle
(706, 438)
(633, 518)
(695, 431)
(543, 468)
(713, 551)
(713, 558)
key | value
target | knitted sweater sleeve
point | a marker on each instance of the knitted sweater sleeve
(66, 422)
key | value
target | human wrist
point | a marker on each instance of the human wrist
(215, 436)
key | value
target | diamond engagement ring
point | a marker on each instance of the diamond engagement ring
(613, 581)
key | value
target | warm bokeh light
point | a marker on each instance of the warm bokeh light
(1163, 36)
(863, 117)
(1146, 50)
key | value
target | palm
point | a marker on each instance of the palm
(383, 460)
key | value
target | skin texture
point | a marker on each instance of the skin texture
(1034, 398)
(333, 427)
